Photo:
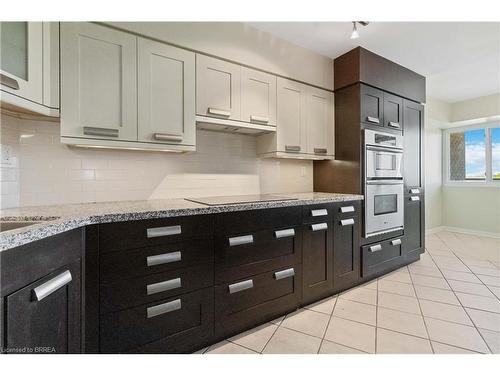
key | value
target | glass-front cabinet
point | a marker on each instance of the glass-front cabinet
(27, 50)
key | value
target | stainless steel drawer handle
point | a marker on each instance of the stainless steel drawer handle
(321, 212)
(393, 124)
(9, 82)
(320, 150)
(346, 209)
(219, 112)
(163, 308)
(168, 137)
(155, 260)
(375, 248)
(163, 286)
(238, 287)
(284, 233)
(373, 119)
(240, 240)
(100, 132)
(164, 231)
(414, 191)
(292, 148)
(49, 287)
(347, 222)
(413, 198)
(320, 226)
(396, 242)
(264, 120)
(284, 274)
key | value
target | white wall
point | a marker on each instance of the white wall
(47, 172)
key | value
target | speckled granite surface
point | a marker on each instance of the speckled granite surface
(58, 219)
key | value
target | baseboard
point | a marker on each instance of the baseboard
(463, 231)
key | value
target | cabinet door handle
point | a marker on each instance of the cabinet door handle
(168, 137)
(284, 233)
(346, 209)
(320, 212)
(49, 287)
(393, 124)
(318, 227)
(414, 198)
(375, 248)
(396, 242)
(284, 274)
(163, 286)
(9, 82)
(320, 150)
(100, 132)
(292, 148)
(164, 231)
(414, 191)
(373, 119)
(163, 308)
(219, 112)
(347, 222)
(264, 120)
(240, 240)
(155, 260)
(238, 287)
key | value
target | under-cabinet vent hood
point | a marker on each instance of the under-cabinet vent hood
(232, 126)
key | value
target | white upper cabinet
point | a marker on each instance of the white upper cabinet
(98, 82)
(166, 94)
(258, 97)
(217, 88)
(291, 132)
(29, 66)
(319, 122)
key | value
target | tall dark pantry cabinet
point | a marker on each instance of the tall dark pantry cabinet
(374, 93)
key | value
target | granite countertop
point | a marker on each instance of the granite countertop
(61, 218)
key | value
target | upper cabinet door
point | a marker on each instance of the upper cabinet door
(258, 97)
(372, 105)
(21, 68)
(98, 82)
(166, 94)
(319, 122)
(393, 112)
(413, 147)
(291, 130)
(217, 88)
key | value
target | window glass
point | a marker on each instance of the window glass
(468, 155)
(495, 154)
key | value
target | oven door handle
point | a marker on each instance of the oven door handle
(384, 182)
(388, 149)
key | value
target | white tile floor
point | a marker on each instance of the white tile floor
(448, 302)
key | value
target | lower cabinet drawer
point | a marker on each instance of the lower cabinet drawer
(253, 300)
(173, 325)
(138, 291)
(381, 257)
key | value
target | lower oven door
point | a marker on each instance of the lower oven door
(383, 207)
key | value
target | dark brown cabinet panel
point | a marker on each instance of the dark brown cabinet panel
(173, 325)
(372, 105)
(317, 262)
(393, 111)
(346, 252)
(41, 318)
(248, 302)
(414, 229)
(381, 257)
(413, 145)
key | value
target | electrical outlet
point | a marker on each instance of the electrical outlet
(303, 171)
(6, 155)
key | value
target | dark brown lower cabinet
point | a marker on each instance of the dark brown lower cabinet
(245, 303)
(381, 257)
(317, 254)
(413, 243)
(346, 252)
(42, 318)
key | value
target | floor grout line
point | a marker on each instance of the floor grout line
(328, 324)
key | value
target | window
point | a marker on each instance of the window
(473, 154)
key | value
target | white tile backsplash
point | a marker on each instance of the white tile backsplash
(46, 172)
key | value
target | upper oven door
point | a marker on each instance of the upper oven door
(382, 163)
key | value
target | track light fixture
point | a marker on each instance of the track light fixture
(355, 34)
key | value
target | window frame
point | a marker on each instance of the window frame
(488, 181)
